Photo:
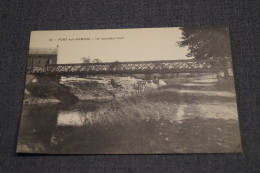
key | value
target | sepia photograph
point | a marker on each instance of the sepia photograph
(130, 91)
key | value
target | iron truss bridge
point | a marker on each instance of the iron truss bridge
(138, 67)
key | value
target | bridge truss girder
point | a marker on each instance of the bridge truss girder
(139, 67)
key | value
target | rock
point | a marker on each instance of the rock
(162, 83)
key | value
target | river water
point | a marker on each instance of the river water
(61, 129)
(198, 119)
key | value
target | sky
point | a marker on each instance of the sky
(146, 44)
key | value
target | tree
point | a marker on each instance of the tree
(207, 43)
(96, 60)
(86, 59)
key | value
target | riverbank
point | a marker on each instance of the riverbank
(172, 118)
(42, 90)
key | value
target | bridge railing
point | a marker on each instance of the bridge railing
(170, 66)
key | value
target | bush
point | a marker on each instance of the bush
(115, 84)
(87, 85)
(46, 88)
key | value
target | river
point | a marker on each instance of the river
(60, 129)
(185, 116)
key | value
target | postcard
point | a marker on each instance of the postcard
(130, 91)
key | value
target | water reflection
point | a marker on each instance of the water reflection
(62, 129)
(71, 118)
(37, 125)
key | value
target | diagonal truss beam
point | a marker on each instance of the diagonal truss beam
(138, 67)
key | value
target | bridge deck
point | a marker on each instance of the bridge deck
(137, 67)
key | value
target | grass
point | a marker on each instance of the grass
(195, 136)
(180, 86)
(93, 85)
(46, 88)
(123, 110)
(140, 123)
(155, 105)
(223, 84)
(226, 84)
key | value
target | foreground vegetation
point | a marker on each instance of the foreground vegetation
(157, 121)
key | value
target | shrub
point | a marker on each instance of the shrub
(51, 89)
(93, 85)
(115, 84)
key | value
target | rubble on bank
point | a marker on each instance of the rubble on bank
(42, 91)
(105, 88)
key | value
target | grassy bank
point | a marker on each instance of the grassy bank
(194, 136)
(45, 88)
(151, 120)
(157, 120)
(154, 105)
(88, 90)
(226, 84)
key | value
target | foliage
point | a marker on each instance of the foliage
(88, 60)
(206, 42)
(115, 84)
(89, 86)
(96, 60)
(46, 88)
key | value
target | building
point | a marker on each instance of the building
(41, 57)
